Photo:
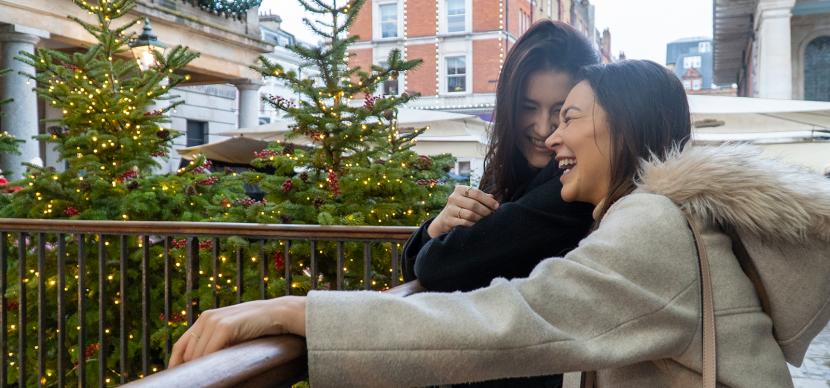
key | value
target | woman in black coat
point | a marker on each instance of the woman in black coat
(516, 217)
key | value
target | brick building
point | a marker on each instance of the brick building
(462, 43)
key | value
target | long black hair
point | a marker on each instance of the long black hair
(647, 113)
(547, 45)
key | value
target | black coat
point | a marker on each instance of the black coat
(508, 243)
(534, 225)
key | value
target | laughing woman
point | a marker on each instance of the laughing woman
(627, 301)
(517, 217)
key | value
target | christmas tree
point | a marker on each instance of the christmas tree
(353, 164)
(345, 160)
(106, 135)
(109, 140)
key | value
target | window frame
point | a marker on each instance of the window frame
(446, 73)
(379, 22)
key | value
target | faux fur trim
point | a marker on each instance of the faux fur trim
(735, 185)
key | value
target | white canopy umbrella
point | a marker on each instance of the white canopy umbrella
(239, 150)
(793, 130)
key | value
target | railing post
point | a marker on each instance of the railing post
(192, 283)
(122, 308)
(4, 360)
(102, 314)
(41, 308)
(81, 310)
(145, 305)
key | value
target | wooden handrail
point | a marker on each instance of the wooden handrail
(276, 231)
(270, 361)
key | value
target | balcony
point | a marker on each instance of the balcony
(150, 280)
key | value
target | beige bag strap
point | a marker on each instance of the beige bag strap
(710, 363)
(710, 355)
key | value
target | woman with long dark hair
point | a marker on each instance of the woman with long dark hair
(628, 301)
(516, 216)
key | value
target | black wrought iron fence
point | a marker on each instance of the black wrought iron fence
(101, 302)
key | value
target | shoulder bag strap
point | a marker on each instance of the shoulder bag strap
(710, 363)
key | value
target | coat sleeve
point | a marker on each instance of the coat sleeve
(411, 249)
(627, 294)
(508, 243)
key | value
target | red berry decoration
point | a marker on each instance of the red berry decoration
(424, 162)
(70, 211)
(209, 180)
(265, 154)
(179, 243)
(205, 245)
(287, 185)
(369, 102)
(334, 183)
(92, 349)
(279, 261)
(159, 154)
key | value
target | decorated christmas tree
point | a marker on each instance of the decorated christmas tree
(345, 160)
(107, 135)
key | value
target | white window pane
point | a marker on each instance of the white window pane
(456, 65)
(455, 16)
(388, 20)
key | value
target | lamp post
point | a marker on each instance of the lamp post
(145, 46)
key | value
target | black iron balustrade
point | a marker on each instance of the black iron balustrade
(34, 238)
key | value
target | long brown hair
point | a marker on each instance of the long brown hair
(648, 115)
(547, 45)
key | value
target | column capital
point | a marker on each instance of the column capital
(22, 34)
(248, 84)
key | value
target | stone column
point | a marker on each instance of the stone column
(774, 49)
(20, 117)
(249, 103)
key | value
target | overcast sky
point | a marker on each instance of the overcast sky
(640, 28)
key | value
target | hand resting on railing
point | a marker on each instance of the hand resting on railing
(272, 359)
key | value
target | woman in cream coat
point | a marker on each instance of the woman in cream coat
(626, 302)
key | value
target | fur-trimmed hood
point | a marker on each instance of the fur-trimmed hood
(782, 214)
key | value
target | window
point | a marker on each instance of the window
(388, 20)
(704, 47)
(390, 86)
(456, 74)
(464, 168)
(697, 84)
(196, 133)
(456, 21)
(687, 84)
(691, 62)
(817, 69)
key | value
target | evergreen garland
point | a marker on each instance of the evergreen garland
(236, 9)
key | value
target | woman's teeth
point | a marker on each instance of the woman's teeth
(566, 163)
(537, 143)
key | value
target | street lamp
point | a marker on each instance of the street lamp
(144, 46)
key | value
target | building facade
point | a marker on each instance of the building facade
(691, 61)
(222, 93)
(773, 48)
(462, 43)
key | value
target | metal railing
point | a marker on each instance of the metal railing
(59, 262)
(277, 361)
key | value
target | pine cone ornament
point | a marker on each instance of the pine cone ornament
(389, 114)
(163, 134)
(190, 190)
(132, 185)
(84, 186)
(304, 177)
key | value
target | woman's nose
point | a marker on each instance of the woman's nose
(554, 140)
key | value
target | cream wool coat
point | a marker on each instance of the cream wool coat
(625, 303)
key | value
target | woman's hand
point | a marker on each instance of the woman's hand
(465, 206)
(227, 326)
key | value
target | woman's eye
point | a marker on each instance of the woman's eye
(529, 107)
